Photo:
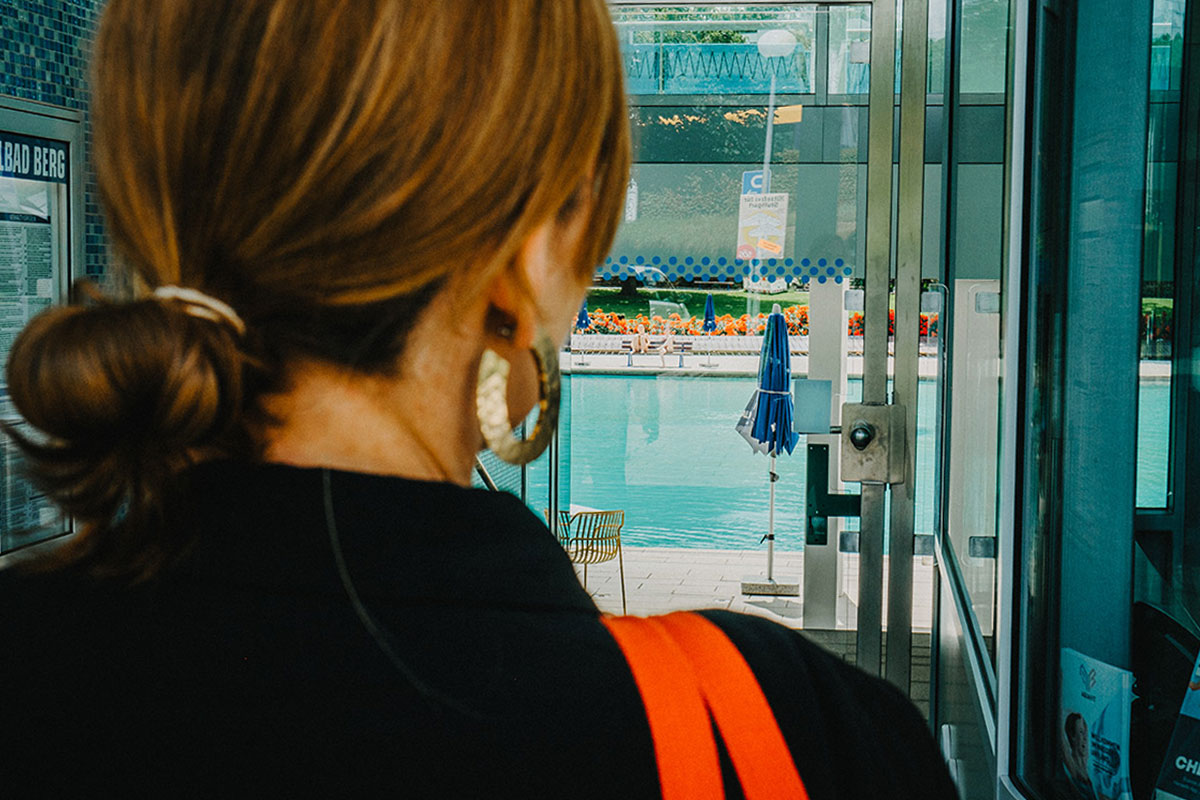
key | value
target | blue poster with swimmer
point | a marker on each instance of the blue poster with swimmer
(1093, 729)
(1179, 778)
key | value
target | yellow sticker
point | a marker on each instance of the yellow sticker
(786, 115)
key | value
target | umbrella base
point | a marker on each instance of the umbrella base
(778, 588)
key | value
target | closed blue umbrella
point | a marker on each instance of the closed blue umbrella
(710, 315)
(583, 321)
(767, 421)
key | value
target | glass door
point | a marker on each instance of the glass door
(764, 177)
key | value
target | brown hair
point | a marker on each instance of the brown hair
(323, 167)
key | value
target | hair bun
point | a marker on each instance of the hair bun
(122, 396)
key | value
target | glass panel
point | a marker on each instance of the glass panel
(974, 296)
(1158, 278)
(33, 248)
(1085, 632)
(959, 730)
(682, 50)
(1166, 45)
(850, 44)
(652, 432)
(849, 49)
(984, 46)
(975, 392)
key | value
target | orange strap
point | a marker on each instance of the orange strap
(688, 767)
(676, 657)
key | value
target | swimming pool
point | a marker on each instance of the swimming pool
(663, 448)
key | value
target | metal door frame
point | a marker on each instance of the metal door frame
(878, 275)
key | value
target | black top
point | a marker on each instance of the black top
(245, 670)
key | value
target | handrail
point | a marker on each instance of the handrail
(482, 472)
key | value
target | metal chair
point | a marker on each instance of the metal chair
(593, 537)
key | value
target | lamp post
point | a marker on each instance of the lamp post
(774, 43)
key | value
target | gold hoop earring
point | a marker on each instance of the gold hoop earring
(491, 404)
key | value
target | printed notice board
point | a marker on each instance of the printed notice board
(34, 181)
(762, 226)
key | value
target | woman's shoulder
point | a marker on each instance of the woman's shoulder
(768, 645)
(847, 728)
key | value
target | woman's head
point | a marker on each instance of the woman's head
(325, 168)
(247, 146)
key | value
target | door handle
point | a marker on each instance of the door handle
(820, 503)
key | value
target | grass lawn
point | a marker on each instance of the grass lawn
(734, 303)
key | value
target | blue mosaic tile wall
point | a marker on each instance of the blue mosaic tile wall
(44, 49)
(722, 268)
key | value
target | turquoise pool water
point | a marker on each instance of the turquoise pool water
(663, 448)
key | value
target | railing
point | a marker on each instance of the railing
(714, 69)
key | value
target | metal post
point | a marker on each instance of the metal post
(770, 137)
(758, 263)
(878, 274)
(771, 522)
(913, 78)
(827, 342)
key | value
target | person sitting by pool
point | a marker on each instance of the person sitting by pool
(641, 340)
(668, 343)
(359, 232)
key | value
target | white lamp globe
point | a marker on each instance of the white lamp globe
(776, 42)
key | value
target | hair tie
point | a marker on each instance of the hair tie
(199, 304)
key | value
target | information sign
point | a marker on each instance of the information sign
(762, 226)
(752, 182)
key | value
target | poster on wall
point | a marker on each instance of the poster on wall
(26, 259)
(1179, 778)
(1093, 727)
(762, 226)
(33, 216)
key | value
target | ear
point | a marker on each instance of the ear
(513, 291)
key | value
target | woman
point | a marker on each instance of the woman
(668, 343)
(350, 223)
(641, 340)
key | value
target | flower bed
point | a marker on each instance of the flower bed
(729, 325)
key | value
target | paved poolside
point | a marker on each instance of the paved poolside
(663, 579)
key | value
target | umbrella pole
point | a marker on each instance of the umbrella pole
(771, 523)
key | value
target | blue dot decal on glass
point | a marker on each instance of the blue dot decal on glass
(712, 270)
(729, 270)
(821, 279)
(804, 262)
(689, 261)
(796, 271)
(745, 270)
(848, 272)
(672, 260)
(838, 279)
(788, 262)
(812, 271)
(641, 259)
(821, 262)
(624, 259)
(656, 260)
(722, 261)
(839, 263)
(706, 261)
(829, 271)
